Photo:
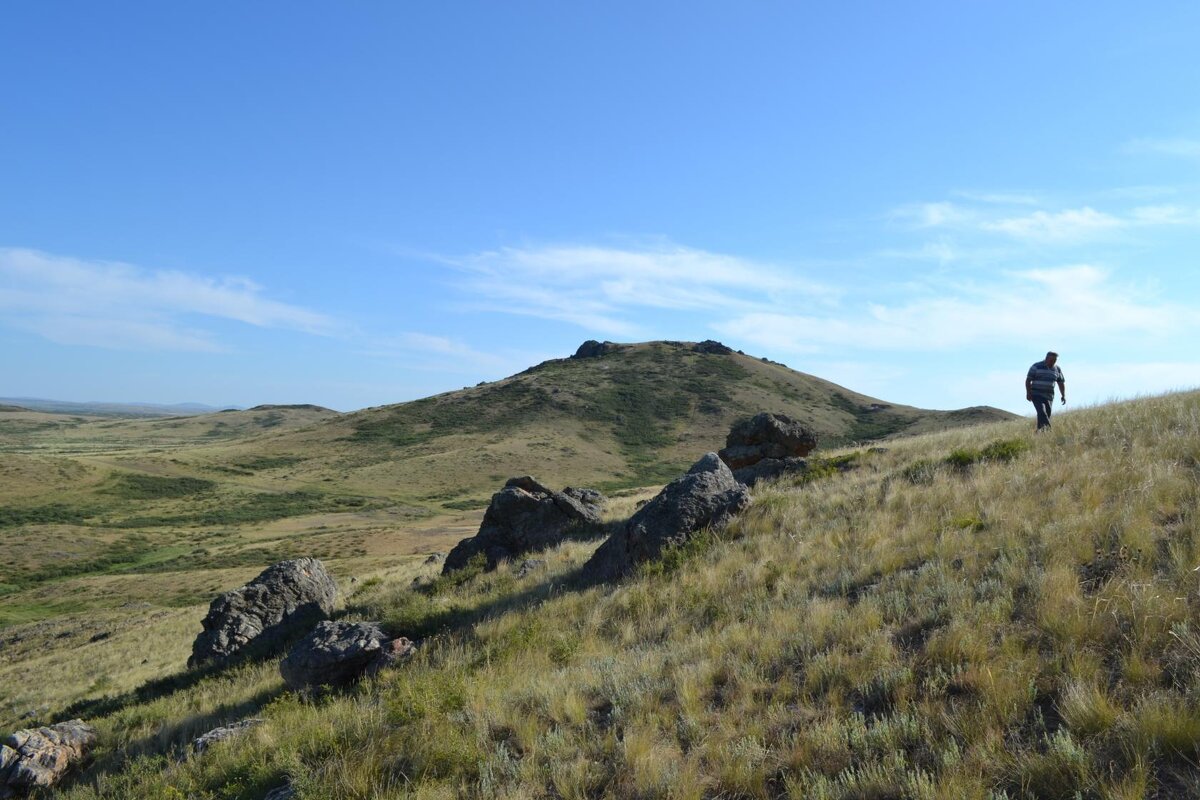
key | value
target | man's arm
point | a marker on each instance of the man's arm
(1062, 389)
(1028, 387)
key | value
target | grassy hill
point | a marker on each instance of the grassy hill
(977, 613)
(632, 417)
(108, 523)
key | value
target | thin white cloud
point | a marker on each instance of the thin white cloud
(116, 305)
(933, 215)
(1071, 303)
(431, 353)
(999, 198)
(1069, 225)
(607, 289)
(1179, 147)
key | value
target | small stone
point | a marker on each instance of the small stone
(224, 733)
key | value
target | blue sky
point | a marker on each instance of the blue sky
(360, 203)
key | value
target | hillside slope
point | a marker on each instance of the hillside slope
(633, 416)
(981, 613)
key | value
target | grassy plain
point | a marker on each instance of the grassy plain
(979, 613)
(119, 531)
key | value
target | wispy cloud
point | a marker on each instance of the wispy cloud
(117, 305)
(1069, 225)
(603, 289)
(1070, 303)
(431, 353)
(1179, 147)
(999, 198)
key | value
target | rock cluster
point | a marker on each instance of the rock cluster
(766, 446)
(713, 347)
(339, 653)
(525, 517)
(39, 757)
(708, 496)
(593, 349)
(281, 600)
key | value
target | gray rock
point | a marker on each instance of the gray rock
(712, 347)
(40, 757)
(435, 558)
(525, 517)
(764, 435)
(285, 792)
(339, 653)
(530, 566)
(286, 597)
(769, 468)
(708, 496)
(593, 349)
(225, 732)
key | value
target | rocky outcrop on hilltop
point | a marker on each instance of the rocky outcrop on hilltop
(339, 653)
(708, 496)
(284, 598)
(40, 757)
(713, 347)
(593, 349)
(525, 517)
(766, 446)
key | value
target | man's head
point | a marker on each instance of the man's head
(1051, 357)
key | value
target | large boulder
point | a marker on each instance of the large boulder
(40, 757)
(339, 653)
(708, 496)
(284, 598)
(767, 445)
(525, 517)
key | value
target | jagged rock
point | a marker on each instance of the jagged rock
(769, 468)
(593, 349)
(202, 743)
(435, 558)
(767, 446)
(525, 517)
(283, 598)
(285, 792)
(708, 496)
(39, 757)
(339, 653)
(713, 347)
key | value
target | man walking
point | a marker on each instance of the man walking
(1039, 388)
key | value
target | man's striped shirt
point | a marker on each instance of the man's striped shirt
(1043, 378)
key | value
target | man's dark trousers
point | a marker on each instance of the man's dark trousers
(1043, 405)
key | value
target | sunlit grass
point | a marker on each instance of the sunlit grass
(1022, 624)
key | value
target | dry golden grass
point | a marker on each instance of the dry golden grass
(1012, 626)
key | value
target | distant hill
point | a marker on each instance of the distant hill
(11, 409)
(614, 415)
(103, 409)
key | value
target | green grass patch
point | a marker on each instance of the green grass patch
(50, 514)
(136, 486)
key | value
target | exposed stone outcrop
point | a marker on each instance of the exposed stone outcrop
(223, 733)
(339, 653)
(766, 446)
(40, 757)
(525, 517)
(284, 598)
(713, 347)
(593, 349)
(708, 496)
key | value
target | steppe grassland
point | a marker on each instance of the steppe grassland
(931, 624)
